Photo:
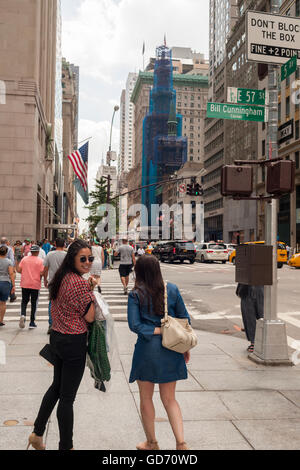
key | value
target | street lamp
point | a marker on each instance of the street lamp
(109, 153)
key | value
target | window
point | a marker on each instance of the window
(287, 106)
(263, 148)
(297, 130)
(297, 160)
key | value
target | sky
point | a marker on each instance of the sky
(105, 39)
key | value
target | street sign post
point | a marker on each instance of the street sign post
(237, 112)
(272, 38)
(289, 68)
(247, 96)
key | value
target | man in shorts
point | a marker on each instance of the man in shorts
(127, 261)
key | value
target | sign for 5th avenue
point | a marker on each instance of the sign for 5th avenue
(272, 38)
(237, 112)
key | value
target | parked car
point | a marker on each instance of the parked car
(210, 252)
(157, 249)
(178, 251)
(294, 261)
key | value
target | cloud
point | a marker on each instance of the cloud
(105, 39)
(99, 143)
(103, 36)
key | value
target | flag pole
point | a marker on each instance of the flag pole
(143, 53)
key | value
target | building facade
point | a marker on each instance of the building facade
(222, 17)
(70, 86)
(288, 206)
(30, 163)
(104, 171)
(191, 92)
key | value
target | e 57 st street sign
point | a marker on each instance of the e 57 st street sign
(271, 38)
(247, 96)
(237, 112)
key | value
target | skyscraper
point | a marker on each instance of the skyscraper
(126, 153)
(223, 15)
(30, 119)
(164, 150)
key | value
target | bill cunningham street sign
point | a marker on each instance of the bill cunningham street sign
(272, 39)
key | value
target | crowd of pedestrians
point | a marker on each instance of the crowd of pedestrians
(71, 272)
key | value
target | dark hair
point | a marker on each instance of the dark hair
(67, 266)
(149, 283)
(3, 250)
(60, 242)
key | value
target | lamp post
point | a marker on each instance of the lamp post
(116, 108)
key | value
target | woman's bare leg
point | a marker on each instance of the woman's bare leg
(2, 311)
(147, 412)
(167, 395)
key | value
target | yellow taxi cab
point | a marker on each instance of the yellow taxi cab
(294, 261)
(282, 256)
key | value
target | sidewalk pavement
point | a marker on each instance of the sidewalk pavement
(228, 402)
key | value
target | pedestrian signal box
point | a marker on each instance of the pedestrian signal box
(236, 181)
(254, 265)
(281, 177)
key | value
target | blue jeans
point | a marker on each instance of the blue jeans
(5, 288)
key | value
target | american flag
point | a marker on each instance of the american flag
(79, 162)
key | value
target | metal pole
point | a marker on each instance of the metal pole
(116, 108)
(271, 339)
(108, 189)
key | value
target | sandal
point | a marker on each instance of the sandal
(36, 442)
(250, 348)
(148, 445)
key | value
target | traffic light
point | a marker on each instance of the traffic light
(198, 190)
(190, 190)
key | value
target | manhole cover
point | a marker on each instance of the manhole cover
(11, 422)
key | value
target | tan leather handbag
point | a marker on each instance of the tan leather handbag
(177, 333)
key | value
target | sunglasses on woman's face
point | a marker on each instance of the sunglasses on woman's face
(83, 259)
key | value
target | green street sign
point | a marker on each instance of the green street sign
(247, 96)
(289, 68)
(238, 112)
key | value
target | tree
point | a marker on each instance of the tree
(97, 197)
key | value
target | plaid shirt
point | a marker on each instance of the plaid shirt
(70, 306)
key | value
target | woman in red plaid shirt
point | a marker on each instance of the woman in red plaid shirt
(72, 308)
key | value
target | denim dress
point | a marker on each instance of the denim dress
(151, 361)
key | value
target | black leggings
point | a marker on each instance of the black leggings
(33, 295)
(70, 351)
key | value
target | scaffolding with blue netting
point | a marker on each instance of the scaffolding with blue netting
(164, 148)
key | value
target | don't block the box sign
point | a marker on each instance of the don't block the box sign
(271, 38)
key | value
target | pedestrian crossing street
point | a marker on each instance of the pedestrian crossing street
(112, 292)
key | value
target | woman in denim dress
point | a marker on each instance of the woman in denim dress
(152, 363)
